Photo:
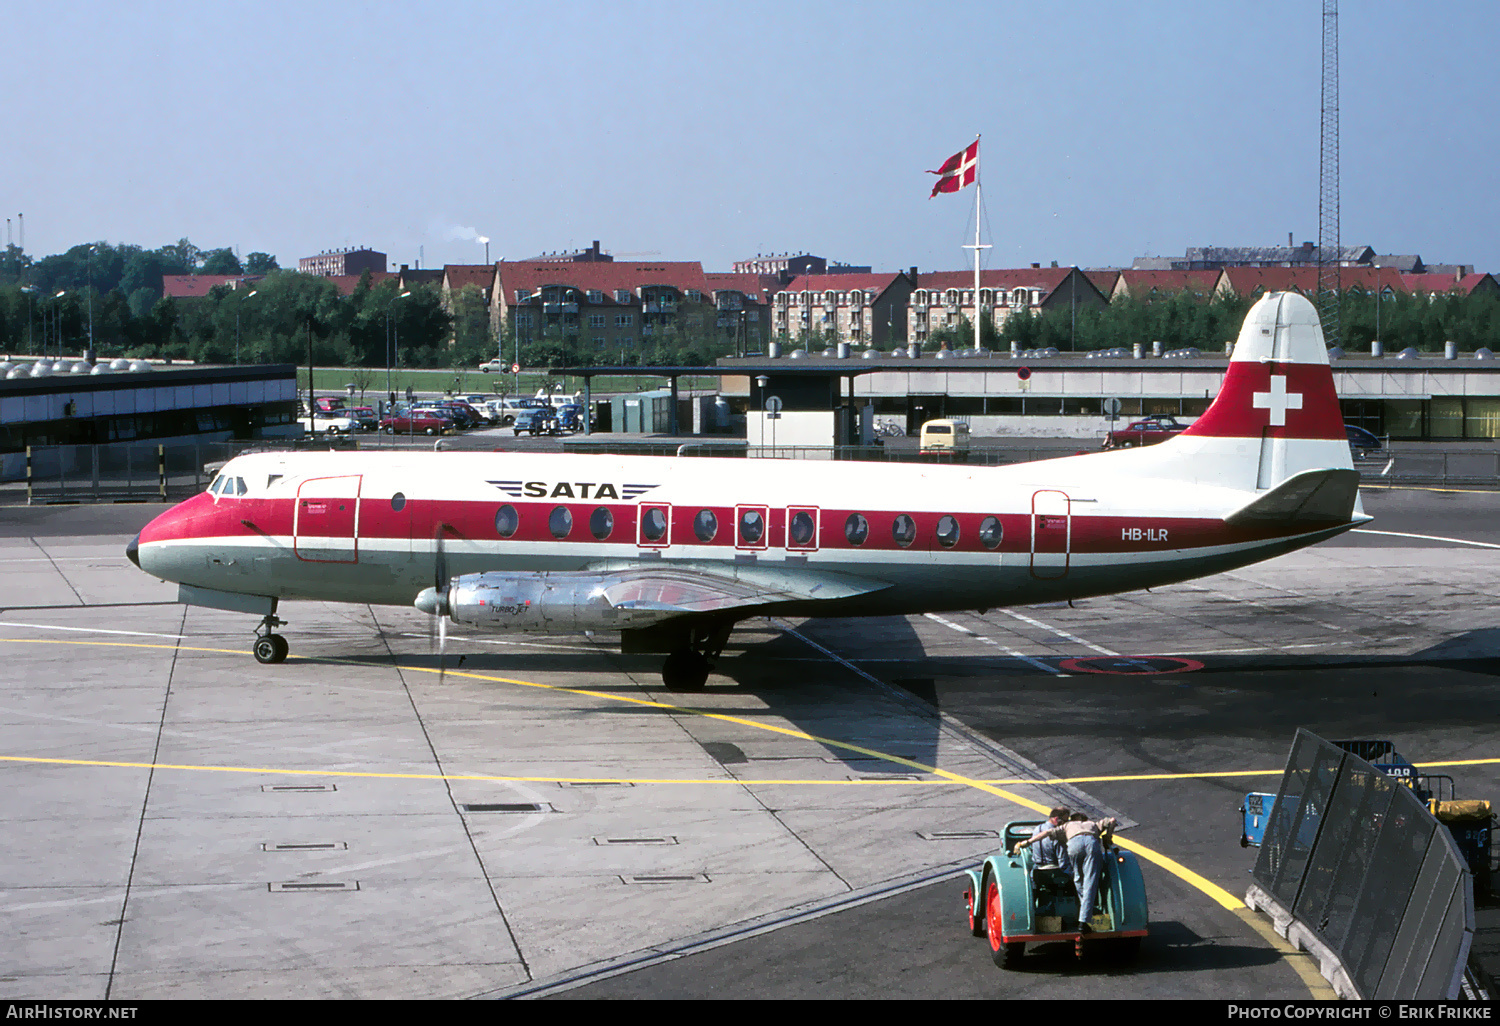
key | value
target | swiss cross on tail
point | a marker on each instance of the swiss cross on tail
(1278, 400)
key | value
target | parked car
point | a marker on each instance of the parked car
(1362, 443)
(335, 423)
(493, 367)
(1147, 431)
(328, 403)
(462, 417)
(945, 436)
(537, 420)
(426, 422)
(570, 417)
(365, 416)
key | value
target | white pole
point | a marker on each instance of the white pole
(976, 247)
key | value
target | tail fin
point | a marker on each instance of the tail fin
(1277, 414)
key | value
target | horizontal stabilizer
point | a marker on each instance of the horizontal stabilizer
(1313, 497)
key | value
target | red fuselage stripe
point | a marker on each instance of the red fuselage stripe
(418, 520)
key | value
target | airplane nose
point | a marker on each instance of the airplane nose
(133, 550)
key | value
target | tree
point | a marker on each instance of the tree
(221, 261)
(260, 263)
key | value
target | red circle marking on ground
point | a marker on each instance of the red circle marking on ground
(1081, 665)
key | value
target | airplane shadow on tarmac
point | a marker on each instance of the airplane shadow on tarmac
(796, 683)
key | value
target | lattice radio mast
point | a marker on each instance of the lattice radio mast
(1330, 278)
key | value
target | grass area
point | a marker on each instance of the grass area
(334, 379)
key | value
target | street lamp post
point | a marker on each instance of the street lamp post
(57, 320)
(30, 290)
(390, 346)
(241, 303)
(89, 356)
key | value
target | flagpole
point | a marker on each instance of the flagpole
(976, 247)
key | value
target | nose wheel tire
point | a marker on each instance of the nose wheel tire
(271, 648)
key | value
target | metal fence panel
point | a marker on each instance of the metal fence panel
(1335, 875)
(1395, 863)
(1431, 896)
(1297, 817)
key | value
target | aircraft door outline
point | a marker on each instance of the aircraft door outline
(1051, 534)
(325, 519)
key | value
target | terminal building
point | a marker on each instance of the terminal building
(51, 403)
(1063, 395)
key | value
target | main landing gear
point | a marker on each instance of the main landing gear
(270, 647)
(686, 669)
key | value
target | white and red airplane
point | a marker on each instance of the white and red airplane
(672, 552)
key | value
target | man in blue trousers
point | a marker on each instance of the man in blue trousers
(1085, 839)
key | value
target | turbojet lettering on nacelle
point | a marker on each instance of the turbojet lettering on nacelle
(672, 552)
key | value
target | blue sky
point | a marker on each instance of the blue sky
(714, 131)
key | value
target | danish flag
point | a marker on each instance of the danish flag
(958, 170)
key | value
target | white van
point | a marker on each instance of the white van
(945, 436)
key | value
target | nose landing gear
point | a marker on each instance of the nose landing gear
(270, 647)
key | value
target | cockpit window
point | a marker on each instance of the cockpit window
(239, 486)
(218, 483)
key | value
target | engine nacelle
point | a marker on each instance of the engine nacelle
(560, 601)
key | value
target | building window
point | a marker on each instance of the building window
(624, 320)
(595, 296)
(596, 320)
(623, 296)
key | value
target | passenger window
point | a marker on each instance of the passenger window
(904, 530)
(507, 521)
(856, 529)
(398, 502)
(991, 532)
(601, 523)
(705, 525)
(801, 529)
(654, 524)
(560, 522)
(947, 531)
(752, 527)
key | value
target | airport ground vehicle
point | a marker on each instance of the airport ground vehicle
(1146, 431)
(945, 436)
(1015, 902)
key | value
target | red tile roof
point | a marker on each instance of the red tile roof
(347, 283)
(876, 283)
(602, 276)
(1429, 284)
(456, 276)
(1140, 284)
(196, 286)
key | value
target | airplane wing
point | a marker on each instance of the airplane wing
(1311, 497)
(684, 588)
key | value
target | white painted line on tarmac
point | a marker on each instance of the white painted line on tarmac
(87, 630)
(1427, 537)
(1059, 632)
(995, 644)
